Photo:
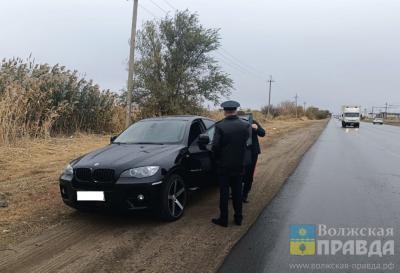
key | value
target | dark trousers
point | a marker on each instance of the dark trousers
(235, 183)
(248, 175)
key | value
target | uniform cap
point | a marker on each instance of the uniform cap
(230, 105)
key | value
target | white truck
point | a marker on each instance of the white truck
(351, 115)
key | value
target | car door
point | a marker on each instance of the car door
(201, 167)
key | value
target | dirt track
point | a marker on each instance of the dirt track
(140, 243)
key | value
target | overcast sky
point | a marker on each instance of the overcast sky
(329, 52)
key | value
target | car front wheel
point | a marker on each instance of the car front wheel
(173, 198)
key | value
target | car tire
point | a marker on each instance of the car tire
(343, 125)
(173, 198)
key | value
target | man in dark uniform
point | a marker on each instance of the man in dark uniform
(229, 146)
(257, 131)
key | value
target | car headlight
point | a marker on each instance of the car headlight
(141, 172)
(68, 170)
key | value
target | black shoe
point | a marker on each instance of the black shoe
(219, 222)
(238, 222)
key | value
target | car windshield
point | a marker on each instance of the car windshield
(352, 115)
(153, 132)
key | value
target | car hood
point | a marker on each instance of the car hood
(124, 156)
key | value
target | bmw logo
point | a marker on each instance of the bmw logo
(96, 164)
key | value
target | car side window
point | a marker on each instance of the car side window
(195, 130)
(210, 132)
(208, 123)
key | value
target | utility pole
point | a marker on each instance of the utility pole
(304, 104)
(270, 81)
(296, 103)
(131, 64)
(386, 110)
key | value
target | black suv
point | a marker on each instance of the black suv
(151, 165)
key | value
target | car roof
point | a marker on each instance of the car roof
(178, 117)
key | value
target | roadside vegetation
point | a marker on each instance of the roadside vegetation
(176, 71)
(288, 109)
(39, 100)
(175, 74)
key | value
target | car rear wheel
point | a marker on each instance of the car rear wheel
(173, 198)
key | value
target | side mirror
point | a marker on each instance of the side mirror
(112, 139)
(203, 139)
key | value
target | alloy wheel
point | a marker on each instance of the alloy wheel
(176, 197)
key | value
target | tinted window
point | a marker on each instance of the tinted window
(195, 130)
(208, 123)
(153, 131)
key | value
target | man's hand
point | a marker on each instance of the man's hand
(254, 126)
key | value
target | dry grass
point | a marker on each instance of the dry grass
(29, 179)
(39, 100)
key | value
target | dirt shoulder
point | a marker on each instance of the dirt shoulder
(39, 234)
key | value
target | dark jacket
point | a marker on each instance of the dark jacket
(229, 145)
(260, 132)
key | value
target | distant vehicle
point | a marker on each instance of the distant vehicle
(378, 121)
(151, 165)
(351, 116)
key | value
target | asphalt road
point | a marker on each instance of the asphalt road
(350, 178)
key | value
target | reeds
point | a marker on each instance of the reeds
(39, 100)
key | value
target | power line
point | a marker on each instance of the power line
(148, 11)
(170, 5)
(158, 6)
(233, 66)
(241, 67)
(241, 62)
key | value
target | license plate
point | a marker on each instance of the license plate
(90, 196)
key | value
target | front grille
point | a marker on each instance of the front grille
(98, 175)
(103, 175)
(84, 174)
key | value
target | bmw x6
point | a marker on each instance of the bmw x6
(150, 165)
